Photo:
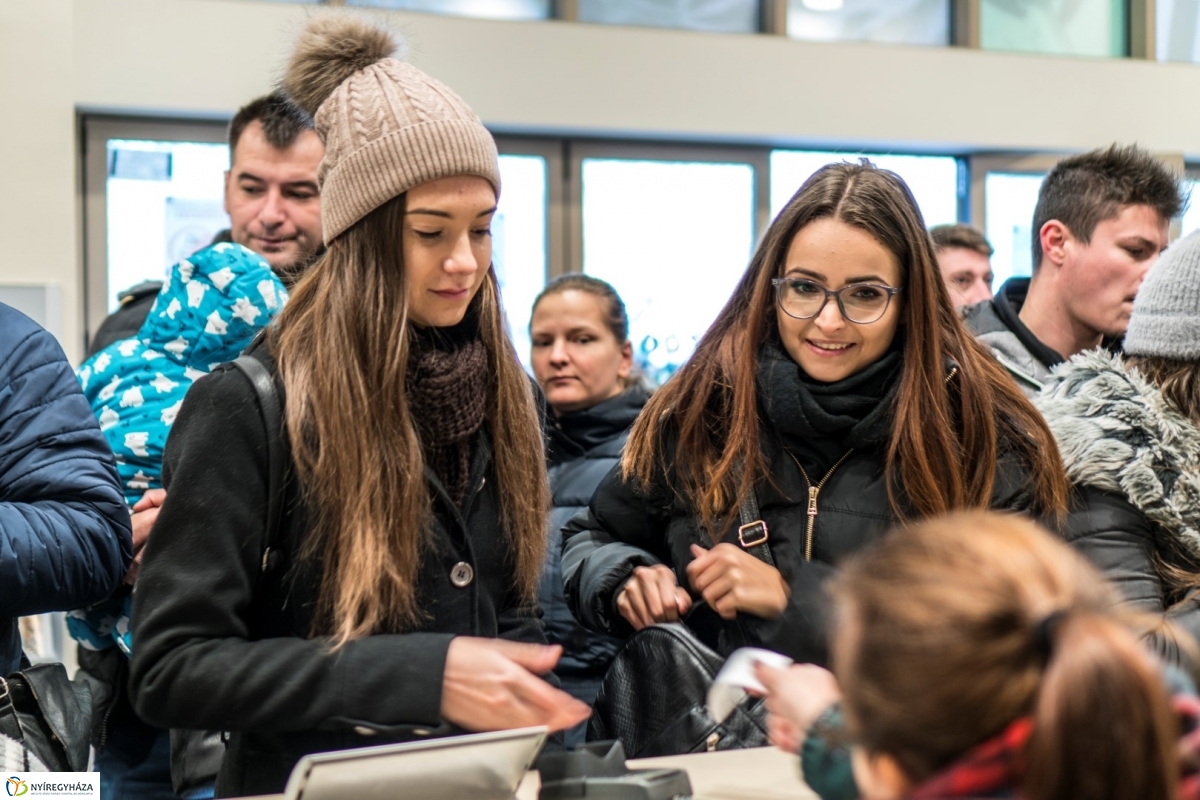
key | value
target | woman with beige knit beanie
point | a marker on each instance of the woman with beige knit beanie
(386, 591)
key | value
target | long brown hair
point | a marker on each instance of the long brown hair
(952, 630)
(342, 347)
(945, 440)
(1178, 380)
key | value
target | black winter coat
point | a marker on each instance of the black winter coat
(221, 647)
(584, 446)
(1134, 461)
(625, 528)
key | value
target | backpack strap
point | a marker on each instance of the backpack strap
(272, 414)
(752, 533)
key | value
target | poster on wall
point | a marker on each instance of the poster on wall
(191, 224)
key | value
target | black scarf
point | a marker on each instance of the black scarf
(818, 422)
(446, 387)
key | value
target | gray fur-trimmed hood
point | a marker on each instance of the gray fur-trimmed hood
(1117, 433)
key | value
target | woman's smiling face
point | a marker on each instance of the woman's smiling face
(832, 254)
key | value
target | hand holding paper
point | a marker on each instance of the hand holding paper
(738, 677)
(796, 697)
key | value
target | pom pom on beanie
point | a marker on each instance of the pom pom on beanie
(386, 125)
(331, 49)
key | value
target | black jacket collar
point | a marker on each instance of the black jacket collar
(1008, 302)
(576, 433)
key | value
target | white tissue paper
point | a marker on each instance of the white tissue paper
(737, 676)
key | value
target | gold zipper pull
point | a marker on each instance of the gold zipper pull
(812, 500)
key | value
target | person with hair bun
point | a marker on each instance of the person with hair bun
(1129, 430)
(978, 656)
(836, 393)
(583, 360)
(397, 598)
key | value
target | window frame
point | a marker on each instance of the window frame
(96, 131)
(758, 158)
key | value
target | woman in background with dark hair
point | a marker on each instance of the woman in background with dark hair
(835, 394)
(583, 360)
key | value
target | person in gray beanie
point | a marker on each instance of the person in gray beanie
(1128, 428)
(384, 589)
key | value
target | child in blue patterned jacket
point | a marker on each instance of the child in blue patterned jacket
(208, 310)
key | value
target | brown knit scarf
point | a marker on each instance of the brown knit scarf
(447, 393)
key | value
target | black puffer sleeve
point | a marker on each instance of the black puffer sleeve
(621, 529)
(1119, 540)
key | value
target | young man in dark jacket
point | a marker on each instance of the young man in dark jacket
(1099, 225)
(64, 529)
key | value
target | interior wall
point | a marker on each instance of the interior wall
(204, 58)
(38, 220)
(207, 56)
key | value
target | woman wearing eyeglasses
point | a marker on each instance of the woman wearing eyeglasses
(835, 395)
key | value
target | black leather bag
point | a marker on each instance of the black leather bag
(653, 695)
(45, 721)
(653, 699)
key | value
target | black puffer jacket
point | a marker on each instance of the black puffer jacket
(1135, 462)
(625, 528)
(584, 446)
(221, 646)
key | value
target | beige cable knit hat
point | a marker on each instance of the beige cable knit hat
(386, 125)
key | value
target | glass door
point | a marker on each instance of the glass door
(153, 194)
(672, 230)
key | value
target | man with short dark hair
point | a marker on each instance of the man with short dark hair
(1100, 223)
(964, 259)
(271, 197)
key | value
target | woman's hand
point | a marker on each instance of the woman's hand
(652, 595)
(796, 697)
(731, 580)
(493, 684)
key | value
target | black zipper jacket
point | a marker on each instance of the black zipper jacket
(625, 527)
(584, 446)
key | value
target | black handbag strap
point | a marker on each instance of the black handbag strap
(272, 414)
(753, 533)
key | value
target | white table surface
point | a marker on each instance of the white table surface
(764, 773)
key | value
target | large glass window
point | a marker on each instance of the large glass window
(934, 180)
(519, 242)
(1177, 37)
(735, 16)
(1010, 200)
(164, 201)
(1055, 27)
(925, 22)
(487, 9)
(672, 238)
